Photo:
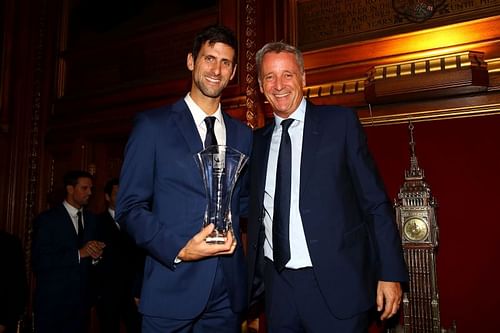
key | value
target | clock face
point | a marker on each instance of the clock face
(415, 229)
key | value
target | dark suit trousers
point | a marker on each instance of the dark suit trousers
(70, 319)
(294, 303)
(112, 310)
(217, 316)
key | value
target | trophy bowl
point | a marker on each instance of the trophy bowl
(220, 167)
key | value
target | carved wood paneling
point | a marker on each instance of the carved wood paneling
(6, 40)
(250, 68)
(325, 23)
(352, 64)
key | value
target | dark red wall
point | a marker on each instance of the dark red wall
(461, 159)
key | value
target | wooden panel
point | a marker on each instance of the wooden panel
(107, 158)
(59, 159)
(336, 75)
(4, 178)
(325, 23)
(147, 57)
(102, 157)
(6, 38)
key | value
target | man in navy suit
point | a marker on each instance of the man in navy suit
(63, 248)
(189, 285)
(118, 273)
(323, 246)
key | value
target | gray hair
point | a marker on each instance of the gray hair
(278, 47)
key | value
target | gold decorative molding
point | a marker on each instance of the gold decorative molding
(335, 88)
(454, 104)
(430, 114)
(493, 65)
(461, 60)
(425, 78)
(356, 85)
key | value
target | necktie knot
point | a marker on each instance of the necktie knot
(285, 124)
(210, 138)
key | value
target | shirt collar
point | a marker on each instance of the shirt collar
(71, 210)
(198, 114)
(298, 115)
(111, 212)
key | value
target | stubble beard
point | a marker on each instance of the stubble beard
(208, 91)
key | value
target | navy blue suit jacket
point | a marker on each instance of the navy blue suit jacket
(348, 220)
(62, 281)
(162, 202)
(118, 274)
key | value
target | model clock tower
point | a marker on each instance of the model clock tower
(416, 218)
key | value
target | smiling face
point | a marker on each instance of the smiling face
(282, 81)
(212, 70)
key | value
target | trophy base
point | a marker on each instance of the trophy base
(216, 237)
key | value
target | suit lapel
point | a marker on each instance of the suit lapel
(88, 227)
(310, 144)
(231, 133)
(68, 222)
(187, 127)
(261, 153)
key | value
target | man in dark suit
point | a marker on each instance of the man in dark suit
(322, 238)
(13, 285)
(189, 285)
(64, 246)
(118, 273)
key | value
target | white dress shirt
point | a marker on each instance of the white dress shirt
(72, 211)
(299, 253)
(111, 212)
(199, 119)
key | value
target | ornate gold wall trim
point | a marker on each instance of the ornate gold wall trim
(455, 104)
(335, 88)
(431, 115)
(493, 65)
(251, 85)
(431, 64)
(460, 60)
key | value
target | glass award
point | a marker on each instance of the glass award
(220, 167)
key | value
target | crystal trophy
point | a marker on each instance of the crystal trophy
(220, 167)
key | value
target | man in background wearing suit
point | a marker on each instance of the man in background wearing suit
(64, 246)
(323, 242)
(118, 273)
(189, 285)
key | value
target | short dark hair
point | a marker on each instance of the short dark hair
(278, 47)
(216, 34)
(71, 177)
(108, 188)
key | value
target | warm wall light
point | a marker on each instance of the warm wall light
(436, 38)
